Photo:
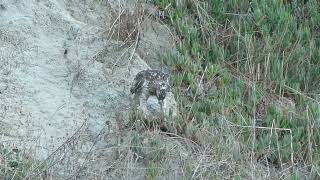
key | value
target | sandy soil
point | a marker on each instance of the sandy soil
(62, 71)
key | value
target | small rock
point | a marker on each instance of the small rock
(2, 7)
(153, 111)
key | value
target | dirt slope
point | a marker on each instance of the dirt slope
(64, 73)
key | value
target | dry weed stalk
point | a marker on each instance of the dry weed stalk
(271, 130)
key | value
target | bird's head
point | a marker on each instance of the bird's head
(162, 88)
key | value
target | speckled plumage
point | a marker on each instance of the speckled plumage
(152, 83)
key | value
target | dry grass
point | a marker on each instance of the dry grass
(231, 130)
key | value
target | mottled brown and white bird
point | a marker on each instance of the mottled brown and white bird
(151, 83)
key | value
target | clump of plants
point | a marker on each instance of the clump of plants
(13, 164)
(239, 67)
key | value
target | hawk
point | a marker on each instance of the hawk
(151, 83)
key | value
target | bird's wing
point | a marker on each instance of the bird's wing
(138, 83)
